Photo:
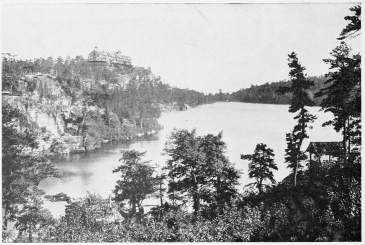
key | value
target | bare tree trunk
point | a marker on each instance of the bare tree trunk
(5, 222)
(196, 198)
(344, 140)
(161, 192)
(133, 206)
(219, 199)
(348, 137)
(30, 233)
(299, 146)
(260, 186)
(296, 172)
(82, 124)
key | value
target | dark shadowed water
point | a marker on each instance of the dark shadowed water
(243, 125)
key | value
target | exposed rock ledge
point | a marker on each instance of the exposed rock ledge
(58, 123)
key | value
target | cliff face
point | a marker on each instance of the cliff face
(51, 122)
(75, 105)
(69, 125)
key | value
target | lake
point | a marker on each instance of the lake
(243, 125)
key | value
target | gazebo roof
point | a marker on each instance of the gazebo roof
(328, 148)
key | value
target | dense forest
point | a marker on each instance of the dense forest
(71, 72)
(94, 103)
(266, 93)
(201, 200)
(91, 103)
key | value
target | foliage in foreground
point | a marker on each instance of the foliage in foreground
(21, 175)
(324, 206)
(199, 172)
(83, 223)
(137, 180)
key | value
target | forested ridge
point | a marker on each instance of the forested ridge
(73, 74)
(266, 93)
(198, 187)
(76, 105)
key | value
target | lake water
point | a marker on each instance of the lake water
(243, 125)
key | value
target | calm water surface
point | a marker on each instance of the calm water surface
(243, 125)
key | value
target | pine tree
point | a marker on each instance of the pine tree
(301, 98)
(198, 169)
(137, 179)
(343, 96)
(352, 29)
(222, 176)
(261, 166)
(185, 166)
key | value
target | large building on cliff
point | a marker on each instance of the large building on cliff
(116, 58)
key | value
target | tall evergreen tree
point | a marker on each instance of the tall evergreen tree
(261, 166)
(353, 28)
(198, 169)
(185, 166)
(221, 174)
(343, 96)
(137, 179)
(301, 98)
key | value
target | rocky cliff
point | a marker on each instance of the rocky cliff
(69, 125)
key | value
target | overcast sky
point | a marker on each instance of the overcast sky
(204, 47)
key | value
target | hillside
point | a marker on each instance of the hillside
(76, 105)
(267, 94)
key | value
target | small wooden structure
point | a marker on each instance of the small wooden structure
(319, 149)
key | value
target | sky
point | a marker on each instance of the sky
(205, 47)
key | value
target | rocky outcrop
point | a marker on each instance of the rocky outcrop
(68, 125)
(74, 143)
(47, 120)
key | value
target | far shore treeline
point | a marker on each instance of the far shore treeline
(71, 71)
(51, 106)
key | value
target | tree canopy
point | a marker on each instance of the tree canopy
(354, 27)
(22, 171)
(198, 169)
(301, 98)
(137, 180)
(261, 166)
